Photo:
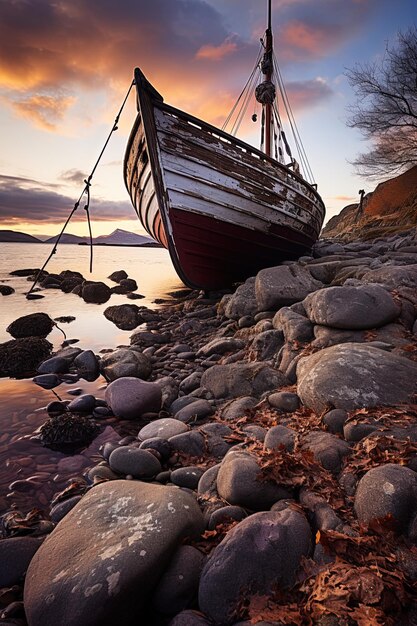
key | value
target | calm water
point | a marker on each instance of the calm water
(21, 401)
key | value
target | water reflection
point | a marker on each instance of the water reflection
(21, 401)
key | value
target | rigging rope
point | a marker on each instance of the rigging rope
(86, 190)
(229, 117)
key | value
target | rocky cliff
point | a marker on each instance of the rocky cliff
(390, 208)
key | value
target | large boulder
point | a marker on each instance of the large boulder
(103, 560)
(241, 379)
(258, 555)
(387, 490)
(282, 285)
(21, 357)
(365, 306)
(130, 397)
(355, 375)
(125, 362)
(33, 325)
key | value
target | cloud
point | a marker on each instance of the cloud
(28, 200)
(55, 56)
(216, 53)
(305, 94)
(44, 111)
(73, 176)
(344, 198)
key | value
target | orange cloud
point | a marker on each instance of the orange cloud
(216, 53)
(300, 39)
(43, 111)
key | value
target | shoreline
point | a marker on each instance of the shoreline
(270, 422)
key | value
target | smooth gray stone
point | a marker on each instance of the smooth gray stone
(101, 563)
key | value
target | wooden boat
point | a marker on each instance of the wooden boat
(222, 208)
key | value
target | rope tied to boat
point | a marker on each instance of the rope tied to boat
(86, 190)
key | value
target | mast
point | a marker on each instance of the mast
(268, 78)
(265, 91)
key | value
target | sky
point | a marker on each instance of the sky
(66, 66)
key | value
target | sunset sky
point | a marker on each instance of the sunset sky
(66, 65)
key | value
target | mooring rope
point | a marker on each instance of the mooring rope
(86, 191)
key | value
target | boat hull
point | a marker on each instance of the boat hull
(222, 208)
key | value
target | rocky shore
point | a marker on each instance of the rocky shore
(269, 476)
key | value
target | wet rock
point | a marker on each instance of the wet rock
(125, 362)
(124, 316)
(6, 290)
(101, 472)
(129, 284)
(134, 461)
(179, 584)
(261, 553)
(95, 292)
(282, 285)
(366, 306)
(117, 276)
(166, 427)
(104, 559)
(350, 376)
(239, 481)
(169, 389)
(82, 404)
(87, 364)
(241, 379)
(56, 407)
(32, 325)
(327, 449)
(15, 556)
(20, 357)
(387, 490)
(130, 397)
(55, 365)
(180, 403)
(47, 381)
(284, 401)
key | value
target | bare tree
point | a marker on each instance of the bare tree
(386, 108)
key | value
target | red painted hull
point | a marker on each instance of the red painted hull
(213, 254)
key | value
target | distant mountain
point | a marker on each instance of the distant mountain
(118, 237)
(12, 236)
(67, 238)
(123, 238)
